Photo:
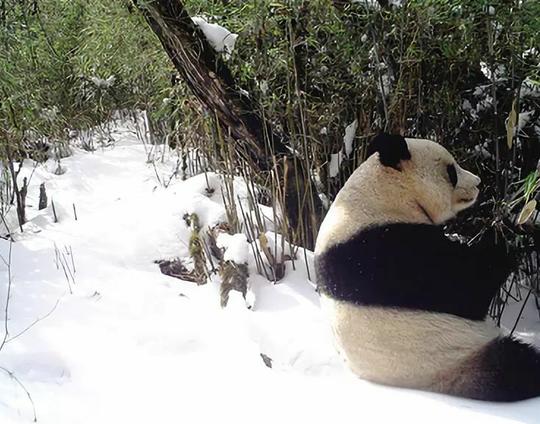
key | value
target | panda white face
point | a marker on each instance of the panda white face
(404, 180)
(442, 187)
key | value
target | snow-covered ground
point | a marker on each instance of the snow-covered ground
(118, 342)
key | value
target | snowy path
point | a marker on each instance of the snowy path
(130, 345)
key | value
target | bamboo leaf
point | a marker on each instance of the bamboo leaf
(526, 212)
(510, 125)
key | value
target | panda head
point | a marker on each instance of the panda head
(403, 180)
(428, 172)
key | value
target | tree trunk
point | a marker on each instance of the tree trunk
(212, 83)
(43, 197)
(20, 193)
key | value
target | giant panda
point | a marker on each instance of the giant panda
(407, 305)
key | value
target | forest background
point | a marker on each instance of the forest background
(287, 98)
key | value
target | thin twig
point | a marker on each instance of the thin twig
(35, 322)
(8, 297)
(13, 377)
(521, 312)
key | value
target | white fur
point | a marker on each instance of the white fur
(400, 347)
(395, 346)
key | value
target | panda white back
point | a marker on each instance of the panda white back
(406, 304)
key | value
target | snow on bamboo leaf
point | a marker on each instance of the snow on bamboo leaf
(220, 38)
(348, 138)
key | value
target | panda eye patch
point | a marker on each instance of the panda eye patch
(452, 174)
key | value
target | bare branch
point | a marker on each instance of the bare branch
(35, 322)
(13, 377)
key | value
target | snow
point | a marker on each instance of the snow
(386, 87)
(263, 85)
(529, 321)
(103, 83)
(236, 247)
(335, 163)
(524, 118)
(373, 4)
(529, 89)
(369, 4)
(485, 104)
(220, 38)
(131, 345)
(498, 74)
(336, 159)
(350, 132)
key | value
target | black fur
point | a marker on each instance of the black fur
(505, 370)
(452, 174)
(413, 266)
(392, 149)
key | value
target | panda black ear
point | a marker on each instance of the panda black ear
(392, 149)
